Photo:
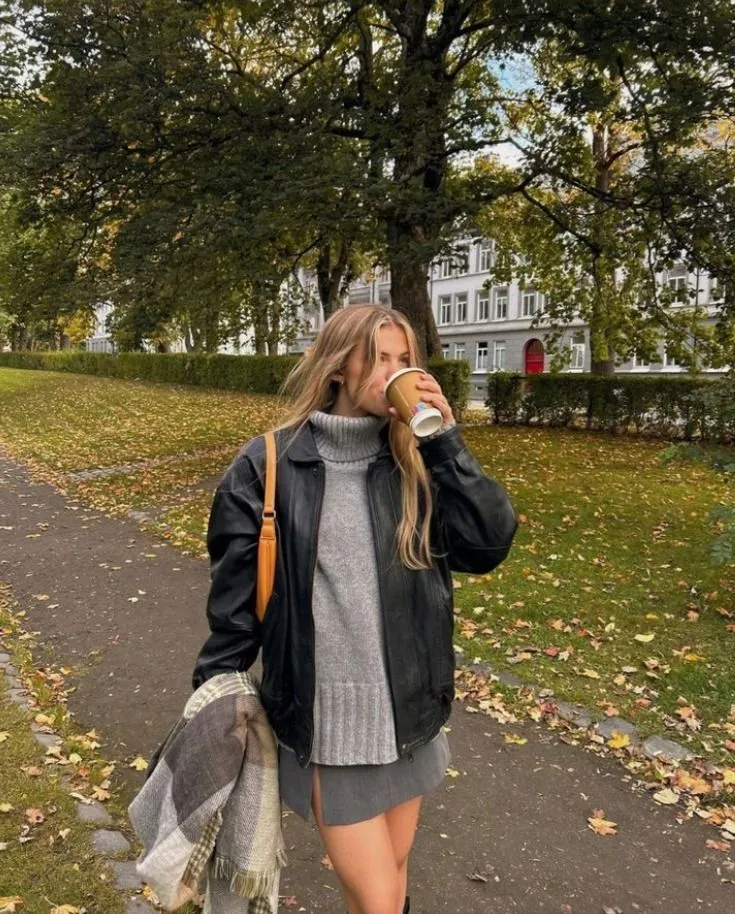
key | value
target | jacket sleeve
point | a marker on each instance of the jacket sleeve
(232, 543)
(476, 518)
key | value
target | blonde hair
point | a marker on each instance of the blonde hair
(312, 386)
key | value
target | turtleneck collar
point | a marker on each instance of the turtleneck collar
(343, 439)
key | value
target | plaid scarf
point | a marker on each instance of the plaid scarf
(210, 808)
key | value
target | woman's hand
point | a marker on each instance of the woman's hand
(432, 394)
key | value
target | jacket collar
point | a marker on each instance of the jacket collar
(300, 445)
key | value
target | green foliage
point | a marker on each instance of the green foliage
(454, 379)
(254, 374)
(250, 373)
(668, 407)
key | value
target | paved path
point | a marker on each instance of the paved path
(516, 815)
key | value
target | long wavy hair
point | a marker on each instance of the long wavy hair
(311, 385)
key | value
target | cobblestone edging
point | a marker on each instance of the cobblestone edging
(576, 714)
(107, 842)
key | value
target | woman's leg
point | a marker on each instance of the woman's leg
(364, 859)
(402, 822)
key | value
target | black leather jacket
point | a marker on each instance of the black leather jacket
(473, 525)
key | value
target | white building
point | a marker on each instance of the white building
(489, 326)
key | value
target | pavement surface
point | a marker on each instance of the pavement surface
(509, 835)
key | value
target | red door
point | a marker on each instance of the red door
(534, 357)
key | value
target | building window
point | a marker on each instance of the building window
(445, 350)
(529, 303)
(679, 286)
(669, 360)
(446, 268)
(462, 260)
(640, 361)
(578, 351)
(499, 355)
(460, 301)
(459, 351)
(485, 257)
(481, 357)
(482, 312)
(500, 305)
(445, 309)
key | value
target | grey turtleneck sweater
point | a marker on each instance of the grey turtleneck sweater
(353, 711)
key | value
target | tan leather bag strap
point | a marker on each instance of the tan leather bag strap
(267, 546)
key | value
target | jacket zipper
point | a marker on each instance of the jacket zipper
(318, 471)
(371, 474)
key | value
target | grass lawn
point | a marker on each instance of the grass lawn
(609, 596)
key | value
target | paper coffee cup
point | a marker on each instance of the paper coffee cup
(402, 394)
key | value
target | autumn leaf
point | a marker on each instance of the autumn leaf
(35, 816)
(728, 777)
(600, 825)
(6, 807)
(723, 846)
(667, 797)
(514, 739)
(139, 763)
(4, 736)
(618, 740)
(590, 674)
(10, 904)
(645, 639)
(452, 773)
(66, 909)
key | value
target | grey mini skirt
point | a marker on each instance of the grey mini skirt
(355, 793)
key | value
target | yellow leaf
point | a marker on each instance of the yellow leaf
(618, 740)
(4, 735)
(10, 904)
(728, 777)
(6, 807)
(600, 826)
(139, 763)
(590, 674)
(44, 720)
(452, 773)
(65, 909)
(645, 638)
(514, 739)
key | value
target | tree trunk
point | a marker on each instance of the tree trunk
(274, 328)
(409, 292)
(330, 278)
(602, 347)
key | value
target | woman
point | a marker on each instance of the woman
(358, 663)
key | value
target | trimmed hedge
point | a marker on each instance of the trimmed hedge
(671, 407)
(258, 374)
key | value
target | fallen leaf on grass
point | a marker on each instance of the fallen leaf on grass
(590, 674)
(600, 825)
(32, 771)
(139, 763)
(645, 638)
(10, 904)
(6, 807)
(100, 794)
(66, 909)
(728, 777)
(35, 816)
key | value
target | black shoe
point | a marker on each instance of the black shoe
(407, 905)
